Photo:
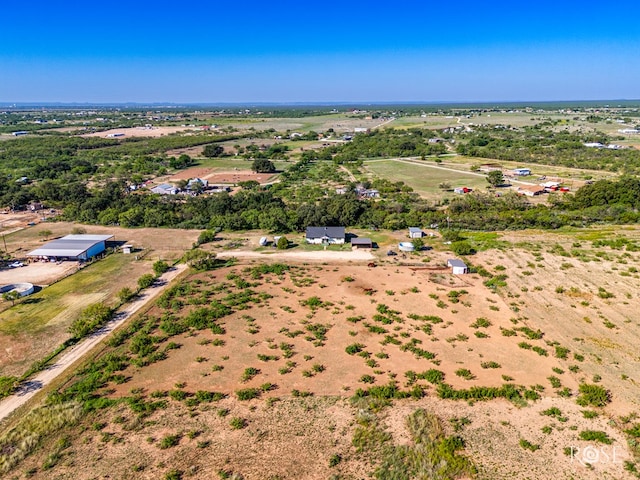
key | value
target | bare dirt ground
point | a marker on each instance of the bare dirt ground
(38, 273)
(168, 244)
(142, 132)
(12, 222)
(321, 256)
(215, 176)
(289, 437)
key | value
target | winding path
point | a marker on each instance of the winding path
(70, 356)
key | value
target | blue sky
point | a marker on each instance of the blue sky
(357, 51)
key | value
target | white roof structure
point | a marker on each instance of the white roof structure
(69, 246)
(454, 262)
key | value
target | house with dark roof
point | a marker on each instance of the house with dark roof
(326, 235)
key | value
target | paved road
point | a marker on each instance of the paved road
(32, 386)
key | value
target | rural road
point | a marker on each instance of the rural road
(32, 386)
(319, 255)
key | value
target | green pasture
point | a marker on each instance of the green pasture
(65, 299)
(424, 178)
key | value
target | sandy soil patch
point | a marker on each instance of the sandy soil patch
(166, 243)
(322, 256)
(141, 132)
(38, 273)
(215, 176)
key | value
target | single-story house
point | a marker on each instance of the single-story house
(362, 242)
(415, 232)
(522, 172)
(458, 266)
(532, 190)
(165, 189)
(73, 247)
(191, 183)
(330, 235)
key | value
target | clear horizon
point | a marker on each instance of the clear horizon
(362, 53)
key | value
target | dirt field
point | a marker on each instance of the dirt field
(142, 132)
(351, 304)
(215, 176)
(38, 324)
(294, 330)
(38, 273)
(167, 244)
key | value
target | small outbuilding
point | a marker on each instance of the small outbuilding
(415, 232)
(458, 267)
(531, 190)
(522, 172)
(362, 242)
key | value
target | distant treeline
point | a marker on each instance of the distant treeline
(544, 146)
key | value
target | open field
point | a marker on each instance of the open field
(79, 350)
(168, 244)
(36, 325)
(424, 179)
(220, 176)
(298, 330)
(142, 132)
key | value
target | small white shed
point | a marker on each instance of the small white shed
(415, 232)
(458, 266)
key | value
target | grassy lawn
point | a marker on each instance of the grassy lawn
(62, 301)
(424, 179)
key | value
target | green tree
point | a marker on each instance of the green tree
(200, 259)
(495, 178)
(262, 165)
(282, 243)
(160, 267)
(45, 233)
(7, 386)
(11, 296)
(418, 244)
(214, 150)
(145, 281)
(91, 318)
(125, 294)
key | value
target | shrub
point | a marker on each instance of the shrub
(465, 373)
(238, 423)
(354, 348)
(481, 323)
(334, 460)
(367, 379)
(169, 441)
(527, 445)
(248, 393)
(490, 365)
(145, 281)
(160, 267)
(595, 436)
(282, 243)
(249, 373)
(592, 395)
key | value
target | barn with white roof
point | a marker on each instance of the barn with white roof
(72, 247)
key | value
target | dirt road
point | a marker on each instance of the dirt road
(32, 386)
(320, 255)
